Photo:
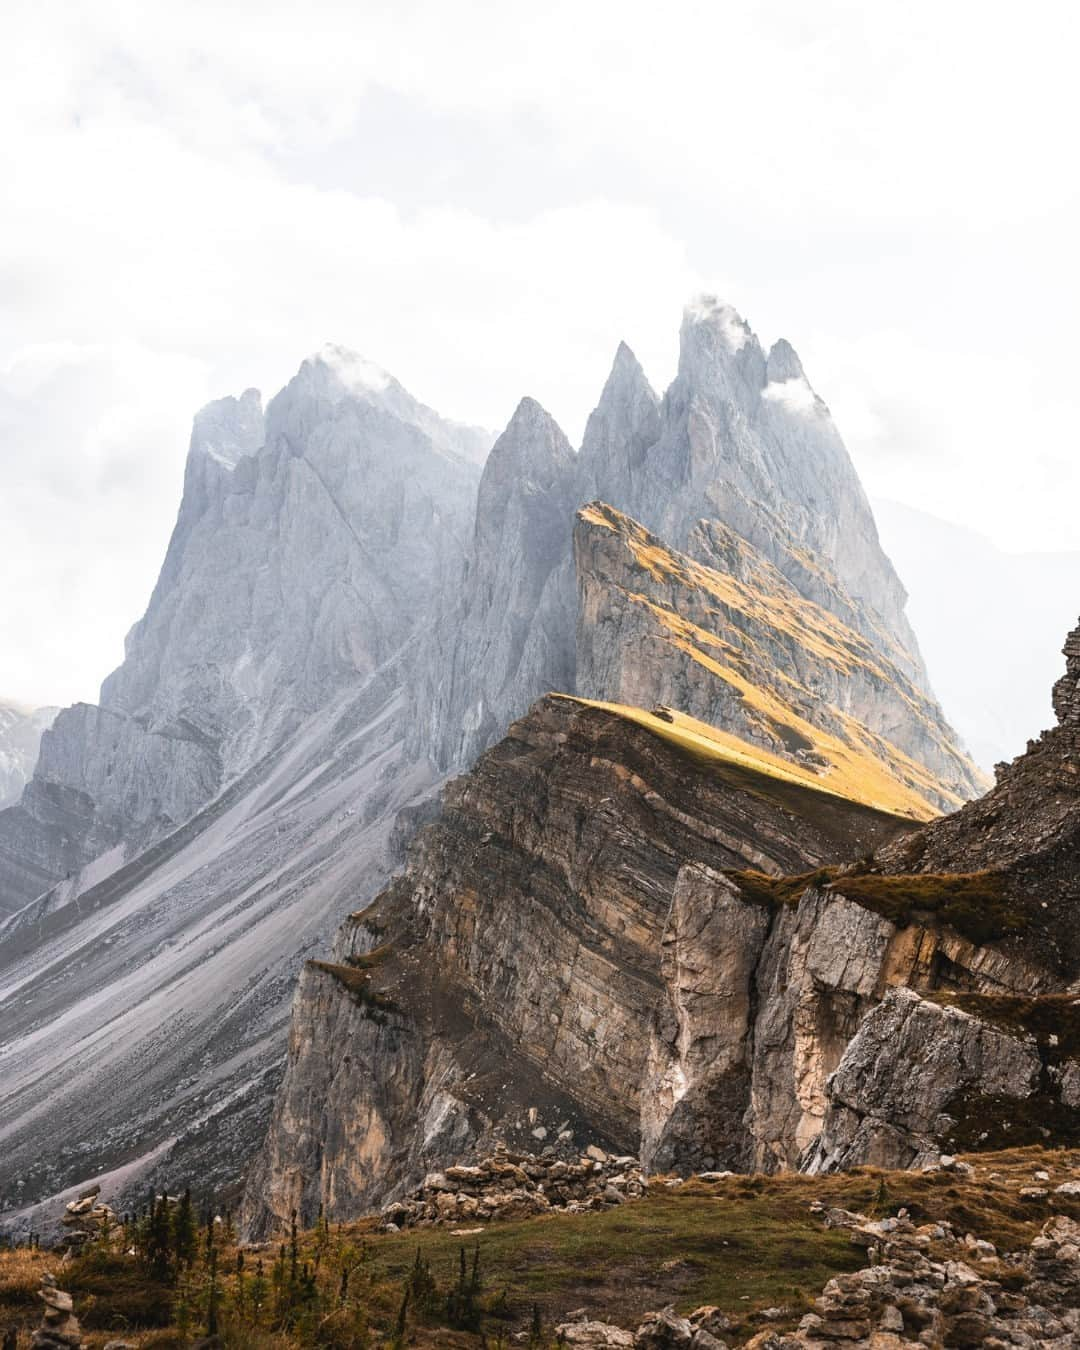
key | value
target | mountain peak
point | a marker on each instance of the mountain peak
(533, 445)
(229, 428)
(783, 362)
(709, 312)
(529, 412)
(626, 370)
(625, 358)
(620, 430)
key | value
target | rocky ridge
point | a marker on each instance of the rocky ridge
(600, 903)
(735, 645)
(576, 910)
(740, 442)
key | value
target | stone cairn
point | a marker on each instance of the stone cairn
(59, 1329)
(516, 1185)
(85, 1219)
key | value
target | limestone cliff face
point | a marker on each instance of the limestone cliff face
(512, 977)
(736, 646)
(1025, 831)
(596, 935)
(911, 1064)
(758, 1014)
(304, 556)
(976, 1065)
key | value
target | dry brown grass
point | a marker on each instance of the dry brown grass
(744, 1243)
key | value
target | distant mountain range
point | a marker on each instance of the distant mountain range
(20, 736)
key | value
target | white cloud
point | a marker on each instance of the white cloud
(794, 394)
(484, 199)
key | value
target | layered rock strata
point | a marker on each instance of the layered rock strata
(570, 937)
(736, 646)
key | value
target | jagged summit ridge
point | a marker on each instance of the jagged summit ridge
(305, 553)
(739, 439)
(336, 374)
(229, 428)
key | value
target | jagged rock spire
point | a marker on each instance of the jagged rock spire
(1067, 689)
(622, 428)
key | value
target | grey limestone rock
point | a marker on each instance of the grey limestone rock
(304, 556)
(906, 1067)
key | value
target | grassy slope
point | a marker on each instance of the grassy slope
(875, 788)
(744, 1244)
(861, 765)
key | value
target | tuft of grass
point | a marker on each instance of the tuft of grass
(373, 959)
(21, 1270)
(974, 904)
(357, 981)
(772, 892)
(115, 1292)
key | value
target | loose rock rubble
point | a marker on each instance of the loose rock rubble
(928, 1286)
(664, 1330)
(85, 1219)
(925, 1286)
(510, 1185)
(59, 1329)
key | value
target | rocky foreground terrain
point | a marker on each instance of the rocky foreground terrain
(975, 1250)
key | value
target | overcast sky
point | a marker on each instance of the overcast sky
(485, 198)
